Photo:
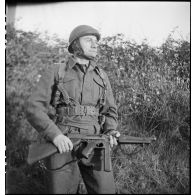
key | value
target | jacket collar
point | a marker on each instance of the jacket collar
(72, 61)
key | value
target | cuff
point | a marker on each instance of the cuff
(51, 132)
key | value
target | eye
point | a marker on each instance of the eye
(91, 40)
(88, 40)
(94, 41)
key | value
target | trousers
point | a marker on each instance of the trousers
(63, 171)
(63, 174)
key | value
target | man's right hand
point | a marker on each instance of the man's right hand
(63, 143)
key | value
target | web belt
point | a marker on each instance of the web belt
(78, 110)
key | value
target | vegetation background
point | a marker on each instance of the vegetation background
(151, 86)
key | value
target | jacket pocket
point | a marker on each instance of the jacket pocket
(68, 78)
(69, 86)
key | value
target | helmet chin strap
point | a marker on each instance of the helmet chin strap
(83, 56)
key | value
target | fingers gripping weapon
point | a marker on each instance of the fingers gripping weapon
(40, 151)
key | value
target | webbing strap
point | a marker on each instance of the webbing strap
(59, 84)
(102, 76)
(78, 110)
(64, 93)
(61, 70)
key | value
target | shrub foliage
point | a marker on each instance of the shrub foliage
(151, 86)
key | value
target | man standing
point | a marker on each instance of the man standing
(81, 95)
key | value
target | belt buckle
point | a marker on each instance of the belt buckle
(80, 110)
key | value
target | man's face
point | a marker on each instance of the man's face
(89, 45)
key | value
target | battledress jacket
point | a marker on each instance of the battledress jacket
(84, 87)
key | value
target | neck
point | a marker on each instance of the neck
(82, 61)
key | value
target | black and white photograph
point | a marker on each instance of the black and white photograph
(97, 97)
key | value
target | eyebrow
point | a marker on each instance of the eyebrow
(90, 38)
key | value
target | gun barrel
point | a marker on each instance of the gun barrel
(86, 137)
(135, 140)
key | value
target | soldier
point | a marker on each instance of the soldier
(81, 95)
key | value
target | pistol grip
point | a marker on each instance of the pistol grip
(88, 150)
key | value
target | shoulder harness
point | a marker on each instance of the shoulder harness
(102, 101)
(59, 92)
(61, 97)
(101, 74)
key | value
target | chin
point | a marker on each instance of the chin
(92, 55)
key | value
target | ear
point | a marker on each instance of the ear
(80, 44)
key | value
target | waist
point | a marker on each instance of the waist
(85, 117)
(89, 125)
(78, 110)
(78, 121)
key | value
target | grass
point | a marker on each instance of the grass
(162, 167)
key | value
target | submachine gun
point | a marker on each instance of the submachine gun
(40, 151)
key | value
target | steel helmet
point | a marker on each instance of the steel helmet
(79, 31)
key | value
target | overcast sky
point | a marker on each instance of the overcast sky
(136, 20)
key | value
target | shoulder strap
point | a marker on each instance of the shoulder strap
(102, 75)
(62, 70)
(59, 82)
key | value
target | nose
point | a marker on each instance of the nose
(94, 44)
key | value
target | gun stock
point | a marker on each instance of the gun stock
(40, 151)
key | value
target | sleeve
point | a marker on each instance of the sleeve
(37, 106)
(109, 109)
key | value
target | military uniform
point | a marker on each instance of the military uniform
(85, 89)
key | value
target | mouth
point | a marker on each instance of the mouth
(94, 51)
